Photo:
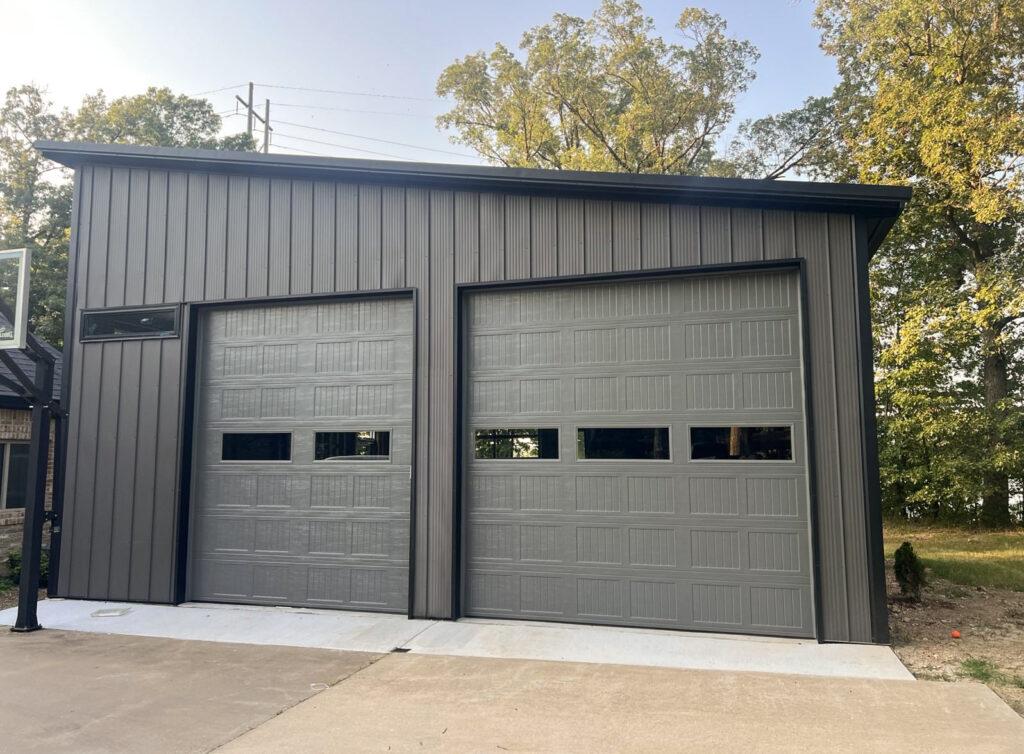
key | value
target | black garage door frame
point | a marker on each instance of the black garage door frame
(462, 290)
(188, 418)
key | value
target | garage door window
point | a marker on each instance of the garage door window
(256, 446)
(516, 443)
(359, 445)
(741, 443)
(623, 443)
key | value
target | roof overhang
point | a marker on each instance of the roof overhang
(880, 203)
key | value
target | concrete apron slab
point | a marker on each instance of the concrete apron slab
(409, 702)
(375, 632)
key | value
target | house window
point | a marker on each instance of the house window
(503, 442)
(352, 446)
(124, 324)
(622, 443)
(13, 474)
(741, 443)
(256, 446)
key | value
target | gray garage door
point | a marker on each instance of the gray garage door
(303, 453)
(636, 455)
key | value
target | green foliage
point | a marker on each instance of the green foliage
(980, 669)
(35, 194)
(14, 565)
(932, 95)
(909, 571)
(971, 557)
(601, 94)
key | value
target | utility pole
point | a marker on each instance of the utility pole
(250, 114)
(266, 128)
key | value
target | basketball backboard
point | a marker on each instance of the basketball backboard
(14, 280)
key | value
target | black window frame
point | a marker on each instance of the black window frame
(609, 459)
(748, 459)
(173, 309)
(351, 458)
(291, 447)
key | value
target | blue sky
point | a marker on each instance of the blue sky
(393, 49)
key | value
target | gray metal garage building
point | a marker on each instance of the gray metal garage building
(457, 391)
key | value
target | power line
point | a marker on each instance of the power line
(322, 154)
(339, 146)
(214, 91)
(352, 110)
(355, 94)
(371, 138)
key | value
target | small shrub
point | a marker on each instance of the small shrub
(14, 564)
(909, 571)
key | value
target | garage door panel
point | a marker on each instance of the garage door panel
(683, 542)
(306, 530)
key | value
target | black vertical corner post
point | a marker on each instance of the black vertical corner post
(35, 502)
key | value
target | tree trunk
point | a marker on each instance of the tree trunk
(995, 507)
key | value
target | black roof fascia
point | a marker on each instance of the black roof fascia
(858, 199)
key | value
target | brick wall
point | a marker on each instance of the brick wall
(16, 426)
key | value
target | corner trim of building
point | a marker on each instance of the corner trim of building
(869, 439)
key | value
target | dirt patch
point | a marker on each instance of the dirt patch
(991, 625)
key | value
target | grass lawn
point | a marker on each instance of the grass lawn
(969, 557)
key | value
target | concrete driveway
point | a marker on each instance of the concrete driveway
(86, 692)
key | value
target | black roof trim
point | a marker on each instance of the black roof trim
(874, 201)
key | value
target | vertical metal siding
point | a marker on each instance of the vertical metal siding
(517, 235)
(237, 236)
(117, 250)
(543, 237)
(597, 234)
(467, 237)
(279, 249)
(812, 242)
(302, 238)
(626, 251)
(216, 237)
(173, 237)
(684, 235)
(195, 237)
(324, 216)
(417, 220)
(369, 238)
(441, 400)
(155, 252)
(258, 238)
(393, 237)
(715, 236)
(138, 211)
(747, 235)
(346, 257)
(571, 247)
(843, 286)
(655, 236)
(492, 237)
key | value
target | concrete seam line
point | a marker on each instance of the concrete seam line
(284, 709)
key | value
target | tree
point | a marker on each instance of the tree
(601, 94)
(933, 92)
(35, 194)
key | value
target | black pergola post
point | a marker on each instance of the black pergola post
(35, 501)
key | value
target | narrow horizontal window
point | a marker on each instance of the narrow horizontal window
(120, 324)
(504, 442)
(623, 443)
(334, 446)
(741, 443)
(256, 446)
